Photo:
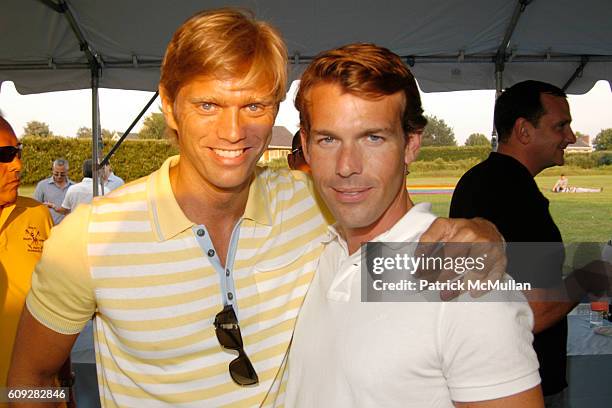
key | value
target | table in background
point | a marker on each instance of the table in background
(589, 368)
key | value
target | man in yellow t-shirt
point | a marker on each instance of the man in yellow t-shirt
(24, 227)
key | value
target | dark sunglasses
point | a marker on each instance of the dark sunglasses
(8, 153)
(228, 334)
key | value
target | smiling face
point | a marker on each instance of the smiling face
(552, 134)
(9, 172)
(223, 128)
(358, 154)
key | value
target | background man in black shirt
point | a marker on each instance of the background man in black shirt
(532, 119)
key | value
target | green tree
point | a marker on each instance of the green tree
(154, 127)
(477, 139)
(603, 140)
(36, 128)
(438, 133)
(85, 133)
(108, 134)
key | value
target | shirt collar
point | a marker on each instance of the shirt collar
(167, 216)
(68, 182)
(413, 220)
(407, 229)
(258, 207)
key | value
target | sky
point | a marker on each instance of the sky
(465, 112)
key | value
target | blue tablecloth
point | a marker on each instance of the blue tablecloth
(583, 341)
(589, 370)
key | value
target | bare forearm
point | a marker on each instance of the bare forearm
(547, 314)
(38, 355)
(62, 210)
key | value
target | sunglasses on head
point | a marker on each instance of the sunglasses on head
(228, 333)
(8, 153)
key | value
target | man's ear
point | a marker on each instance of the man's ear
(413, 145)
(522, 130)
(305, 147)
(167, 109)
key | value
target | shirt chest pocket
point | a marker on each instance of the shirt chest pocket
(283, 279)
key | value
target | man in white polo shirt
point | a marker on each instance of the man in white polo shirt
(360, 113)
(79, 193)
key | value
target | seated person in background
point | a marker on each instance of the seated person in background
(561, 185)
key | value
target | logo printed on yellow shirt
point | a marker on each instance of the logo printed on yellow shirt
(33, 239)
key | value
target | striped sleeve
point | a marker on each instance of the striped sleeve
(62, 297)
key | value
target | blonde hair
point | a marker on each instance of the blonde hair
(226, 42)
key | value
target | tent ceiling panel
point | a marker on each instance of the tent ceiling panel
(452, 43)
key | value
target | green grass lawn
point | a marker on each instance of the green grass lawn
(26, 190)
(583, 217)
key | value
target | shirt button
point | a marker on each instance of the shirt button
(211, 252)
(200, 232)
(227, 272)
(230, 296)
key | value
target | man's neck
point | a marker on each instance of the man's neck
(356, 236)
(203, 204)
(520, 155)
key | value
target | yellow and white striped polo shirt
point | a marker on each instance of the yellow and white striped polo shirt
(133, 260)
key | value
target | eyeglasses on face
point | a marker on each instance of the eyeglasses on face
(8, 153)
(59, 174)
(228, 333)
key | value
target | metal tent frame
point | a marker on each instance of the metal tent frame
(97, 64)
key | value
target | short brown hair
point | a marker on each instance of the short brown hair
(365, 70)
(225, 42)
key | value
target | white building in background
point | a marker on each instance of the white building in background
(582, 145)
(280, 145)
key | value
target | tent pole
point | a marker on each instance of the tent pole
(499, 78)
(95, 127)
(500, 57)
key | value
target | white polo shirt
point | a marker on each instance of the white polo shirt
(346, 353)
(80, 193)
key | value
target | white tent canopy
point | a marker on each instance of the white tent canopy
(52, 45)
(451, 44)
